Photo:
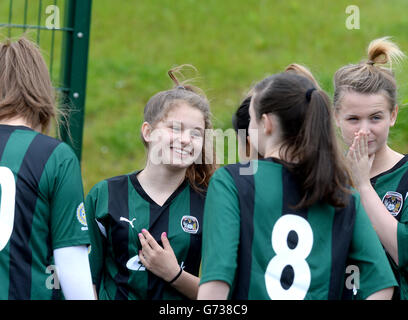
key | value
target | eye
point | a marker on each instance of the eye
(352, 119)
(376, 118)
(196, 133)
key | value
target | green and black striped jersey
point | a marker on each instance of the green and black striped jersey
(117, 210)
(41, 209)
(256, 242)
(392, 188)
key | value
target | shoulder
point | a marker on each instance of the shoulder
(103, 186)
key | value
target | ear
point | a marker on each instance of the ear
(146, 131)
(394, 114)
(268, 125)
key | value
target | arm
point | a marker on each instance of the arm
(384, 294)
(163, 263)
(384, 224)
(213, 290)
(95, 203)
(74, 273)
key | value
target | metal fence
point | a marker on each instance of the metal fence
(61, 28)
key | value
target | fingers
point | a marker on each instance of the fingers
(148, 240)
(166, 242)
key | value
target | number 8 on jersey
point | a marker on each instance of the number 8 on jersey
(293, 257)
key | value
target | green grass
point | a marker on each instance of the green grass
(233, 44)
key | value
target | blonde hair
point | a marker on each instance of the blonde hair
(368, 76)
(25, 85)
(302, 71)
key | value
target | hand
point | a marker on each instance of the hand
(359, 160)
(160, 261)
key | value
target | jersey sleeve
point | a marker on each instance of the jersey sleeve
(96, 209)
(402, 240)
(374, 271)
(221, 229)
(68, 221)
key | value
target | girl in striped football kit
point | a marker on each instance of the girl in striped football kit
(42, 218)
(292, 228)
(146, 226)
(366, 108)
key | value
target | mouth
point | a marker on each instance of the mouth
(182, 152)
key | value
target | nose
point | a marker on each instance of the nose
(185, 137)
(365, 126)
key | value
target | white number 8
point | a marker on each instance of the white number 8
(285, 256)
(7, 203)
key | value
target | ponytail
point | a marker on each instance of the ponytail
(309, 143)
(323, 174)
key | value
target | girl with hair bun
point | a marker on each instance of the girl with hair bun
(146, 226)
(365, 104)
(289, 230)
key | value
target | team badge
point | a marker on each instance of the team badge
(393, 201)
(80, 212)
(189, 224)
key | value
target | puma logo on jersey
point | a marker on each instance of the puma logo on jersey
(126, 220)
(135, 264)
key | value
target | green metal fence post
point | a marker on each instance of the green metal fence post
(74, 59)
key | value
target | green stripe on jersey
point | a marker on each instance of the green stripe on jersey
(292, 254)
(392, 188)
(116, 269)
(13, 155)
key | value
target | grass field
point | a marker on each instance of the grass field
(233, 43)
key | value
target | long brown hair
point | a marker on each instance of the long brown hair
(369, 76)
(157, 108)
(25, 86)
(309, 143)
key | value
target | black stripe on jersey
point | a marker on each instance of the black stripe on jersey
(291, 195)
(29, 175)
(193, 260)
(159, 222)
(245, 185)
(4, 136)
(118, 206)
(290, 198)
(399, 164)
(403, 190)
(342, 233)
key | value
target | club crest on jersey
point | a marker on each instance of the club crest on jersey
(189, 224)
(81, 216)
(393, 202)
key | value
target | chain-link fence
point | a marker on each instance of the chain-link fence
(61, 29)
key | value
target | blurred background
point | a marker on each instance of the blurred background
(232, 43)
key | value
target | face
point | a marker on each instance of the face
(177, 140)
(368, 112)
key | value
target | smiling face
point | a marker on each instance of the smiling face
(368, 112)
(177, 140)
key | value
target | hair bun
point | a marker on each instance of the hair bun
(383, 51)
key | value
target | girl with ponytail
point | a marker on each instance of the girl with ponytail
(145, 226)
(365, 104)
(288, 230)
